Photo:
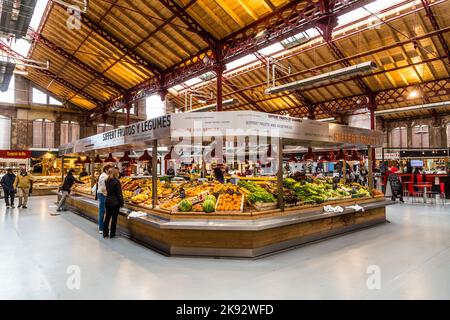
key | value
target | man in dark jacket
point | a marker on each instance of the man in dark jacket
(8, 187)
(69, 181)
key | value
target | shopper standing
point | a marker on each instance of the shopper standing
(69, 181)
(8, 187)
(23, 185)
(101, 196)
(114, 201)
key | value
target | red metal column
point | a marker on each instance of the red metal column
(372, 106)
(219, 68)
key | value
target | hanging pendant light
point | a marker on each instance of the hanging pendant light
(168, 156)
(324, 158)
(126, 158)
(110, 158)
(269, 152)
(146, 157)
(332, 157)
(355, 156)
(309, 156)
(88, 160)
(98, 160)
(342, 156)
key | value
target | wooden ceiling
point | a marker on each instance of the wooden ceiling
(149, 38)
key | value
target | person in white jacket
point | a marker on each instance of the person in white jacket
(101, 196)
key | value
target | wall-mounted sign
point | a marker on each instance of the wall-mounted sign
(15, 154)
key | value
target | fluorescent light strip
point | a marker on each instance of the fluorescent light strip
(327, 120)
(225, 103)
(344, 72)
(413, 108)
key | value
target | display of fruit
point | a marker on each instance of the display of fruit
(229, 202)
(212, 198)
(185, 206)
(128, 194)
(171, 203)
(208, 206)
(140, 198)
(197, 208)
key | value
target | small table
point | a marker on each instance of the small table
(425, 186)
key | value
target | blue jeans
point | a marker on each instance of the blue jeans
(101, 210)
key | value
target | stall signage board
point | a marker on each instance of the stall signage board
(394, 188)
(15, 154)
(148, 130)
(388, 156)
(230, 123)
(242, 122)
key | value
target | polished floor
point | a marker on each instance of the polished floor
(63, 257)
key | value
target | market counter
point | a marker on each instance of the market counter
(243, 238)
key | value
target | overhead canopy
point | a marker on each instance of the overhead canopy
(203, 127)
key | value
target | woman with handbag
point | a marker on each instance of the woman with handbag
(113, 203)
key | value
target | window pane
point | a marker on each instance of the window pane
(49, 135)
(39, 96)
(9, 95)
(55, 102)
(64, 133)
(448, 135)
(37, 134)
(421, 137)
(399, 137)
(5, 137)
(75, 132)
(155, 107)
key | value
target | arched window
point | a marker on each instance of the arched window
(43, 134)
(399, 137)
(104, 127)
(421, 136)
(5, 129)
(70, 131)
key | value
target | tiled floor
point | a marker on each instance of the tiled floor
(412, 254)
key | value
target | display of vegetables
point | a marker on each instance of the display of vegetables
(257, 193)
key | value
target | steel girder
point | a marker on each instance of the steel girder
(325, 28)
(430, 14)
(118, 44)
(7, 49)
(292, 18)
(435, 88)
(41, 39)
(193, 25)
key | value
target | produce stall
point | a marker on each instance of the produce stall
(250, 218)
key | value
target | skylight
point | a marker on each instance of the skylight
(23, 46)
(374, 7)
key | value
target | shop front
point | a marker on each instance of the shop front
(220, 209)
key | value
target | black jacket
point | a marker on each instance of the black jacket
(69, 181)
(114, 197)
(8, 182)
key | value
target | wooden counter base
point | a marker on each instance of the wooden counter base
(230, 238)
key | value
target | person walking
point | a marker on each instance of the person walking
(69, 181)
(114, 201)
(8, 187)
(23, 185)
(101, 196)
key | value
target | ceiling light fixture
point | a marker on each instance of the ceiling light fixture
(225, 103)
(413, 108)
(337, 74)
(413, 94)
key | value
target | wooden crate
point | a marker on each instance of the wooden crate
(230, 212)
